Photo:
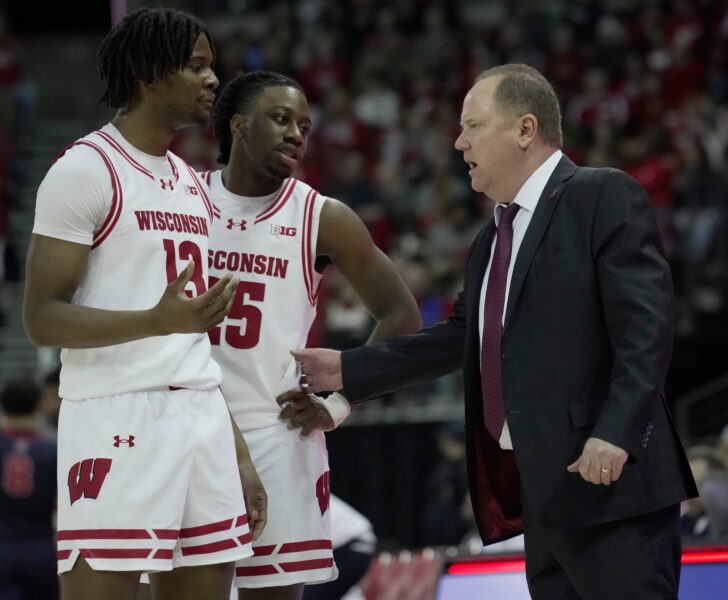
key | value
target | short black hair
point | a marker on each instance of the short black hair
(237, 98)
(19, 397)
(146, 45)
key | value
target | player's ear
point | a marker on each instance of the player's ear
(238, 125)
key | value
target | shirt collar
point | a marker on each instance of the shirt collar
(527, 197)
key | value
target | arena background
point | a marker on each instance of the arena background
(643, 86)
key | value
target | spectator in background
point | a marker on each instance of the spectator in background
(27, 498)
(696, 520)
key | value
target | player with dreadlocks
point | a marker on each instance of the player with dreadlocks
(117, 272)
(277, 233)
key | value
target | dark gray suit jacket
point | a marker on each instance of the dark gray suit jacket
(586, 346)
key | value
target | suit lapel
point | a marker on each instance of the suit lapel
(536, 228)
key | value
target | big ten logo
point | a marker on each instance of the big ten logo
(86, 477)
(282, 230)
(191, 189)
(18, 475)
(323, 491)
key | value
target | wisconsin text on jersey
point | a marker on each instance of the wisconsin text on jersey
(158, 220)
(248, 263)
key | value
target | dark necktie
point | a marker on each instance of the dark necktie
(490, 354)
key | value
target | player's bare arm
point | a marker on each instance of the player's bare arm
(54, 272)
(345, 239)
(256, 499)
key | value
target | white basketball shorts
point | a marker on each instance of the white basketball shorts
(295, 545)
(148, 481)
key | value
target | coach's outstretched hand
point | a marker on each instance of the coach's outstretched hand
(176, 312)
(320, 369)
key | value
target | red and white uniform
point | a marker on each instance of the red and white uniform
(269, 243)
(144, 217)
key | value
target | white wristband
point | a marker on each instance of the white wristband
(335, 404)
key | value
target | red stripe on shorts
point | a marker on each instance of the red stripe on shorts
(307, 545)
(245, 538)
(307, 565)
(103, 534)
(63, 554)
(241, 520)
(163, 554)
(166, 534)
(263, 550)
(115, 552)
(205, 529)
(209, 548)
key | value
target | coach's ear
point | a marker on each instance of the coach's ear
(238, 125)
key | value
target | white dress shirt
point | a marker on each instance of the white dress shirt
(527, 198)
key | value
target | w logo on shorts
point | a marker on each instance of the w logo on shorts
(85, 478)
(323, 491)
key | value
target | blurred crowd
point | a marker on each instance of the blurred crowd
(643, 87)
(16, 97)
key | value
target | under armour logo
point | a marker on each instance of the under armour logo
(166, 184)
(129, 441)
(241, 224)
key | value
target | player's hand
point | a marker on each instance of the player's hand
(256, 500)
(301, 411)
(320, 369)
(600, 462)
(177, 313)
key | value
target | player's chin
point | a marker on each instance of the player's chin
(279, 171)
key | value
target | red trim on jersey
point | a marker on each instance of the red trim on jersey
(307, 545)
(307, 565)
(308, 260)
(203, 193)
(209, 548)
(279, 202)
(103, 534)
(253, 571)
(205, 529)
(120, 149)
(116, 200)
(206, 176)
(175, 172)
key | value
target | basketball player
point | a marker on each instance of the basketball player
(275, 233)
(148, 480)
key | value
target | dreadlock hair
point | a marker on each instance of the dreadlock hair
(237, 98)
(147, 45)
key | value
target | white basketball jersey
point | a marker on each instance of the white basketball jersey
(270, 245)
(158, 221)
